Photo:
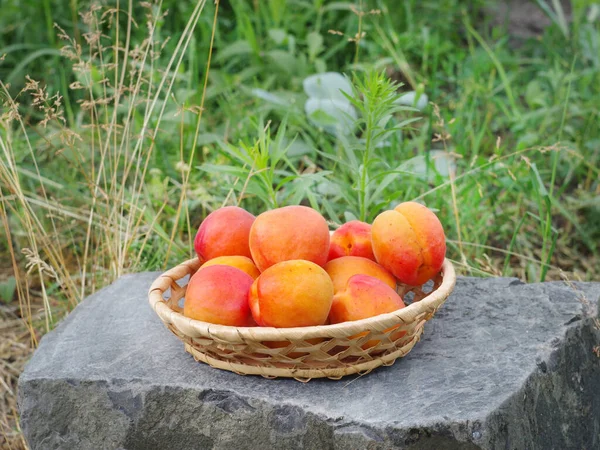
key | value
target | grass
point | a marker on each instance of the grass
(123, 126)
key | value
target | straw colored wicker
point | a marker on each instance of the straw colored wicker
(331, 351)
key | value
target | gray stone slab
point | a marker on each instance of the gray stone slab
(503, 365)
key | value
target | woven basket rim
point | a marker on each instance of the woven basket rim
(197, 328)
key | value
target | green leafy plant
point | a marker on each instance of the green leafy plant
(263, 174)
(364, 168)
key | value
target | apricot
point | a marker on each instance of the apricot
(364, 297)
(342, 269)
(224, 232)
(289, 233)
(351, 239)
(219, 294)
(239, 262)
(409, 241)
(294, 293)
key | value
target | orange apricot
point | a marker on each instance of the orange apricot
(239, 262)
(363, 297)
(409, 241)
(351, 239)
(219, 294)
(224, 232)
(294, 293)
(342, 269)
(289, 233)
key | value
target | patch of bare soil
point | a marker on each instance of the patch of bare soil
(523, 19)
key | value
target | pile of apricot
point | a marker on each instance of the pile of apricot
(283, 268)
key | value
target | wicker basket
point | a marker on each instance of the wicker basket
(331, 351)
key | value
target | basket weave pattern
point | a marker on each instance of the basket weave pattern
(331, 351)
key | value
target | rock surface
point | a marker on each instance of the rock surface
(503, 365)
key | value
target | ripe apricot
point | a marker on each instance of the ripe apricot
(342, 269)
(224, 232)
(219, 294)
(409, 241)
(365, 297)
(294, 293)
(351, 239)
(289, 233)
(239, 262)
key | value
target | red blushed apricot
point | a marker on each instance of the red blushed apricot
(409, 241)
(289, 233)
(351, 239)
(219, 294)
(342, 269)
(239, 262)
(293, 293)
(224, 232)
(365, 297)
